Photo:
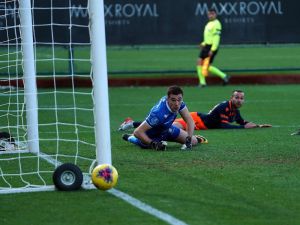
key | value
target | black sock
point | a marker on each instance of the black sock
(136, 124)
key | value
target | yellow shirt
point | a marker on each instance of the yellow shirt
(212, 34)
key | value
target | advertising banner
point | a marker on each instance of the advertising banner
(182, 22)
(134, 22)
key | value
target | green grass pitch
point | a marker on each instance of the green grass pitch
(123, 61)
(248, 177)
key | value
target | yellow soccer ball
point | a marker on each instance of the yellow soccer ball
(104, 176)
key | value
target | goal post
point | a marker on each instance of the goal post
(30, 89)
(99, 65)
(43, 104)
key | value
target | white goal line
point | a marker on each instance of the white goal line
(87, 185)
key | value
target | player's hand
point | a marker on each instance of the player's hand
(250, 125)
(264, 125)
(188, 142)
(159, 145)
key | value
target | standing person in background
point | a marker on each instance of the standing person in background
(209, 49)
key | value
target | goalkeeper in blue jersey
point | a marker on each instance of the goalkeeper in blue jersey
(209, 49)
(158, 126)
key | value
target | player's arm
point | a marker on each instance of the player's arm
(254, 125)
(190, 140)
(249, 125)
(225, 125)
(216, 37)
(239, 119)
(216, 42)
(190, 125)
(244, 124)
(140, 133)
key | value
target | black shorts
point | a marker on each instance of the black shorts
(204, 53)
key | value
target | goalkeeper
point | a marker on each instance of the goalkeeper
(209, 49)
(220, 117)
(158, 126)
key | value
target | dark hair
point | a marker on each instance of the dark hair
(212, 10)
(174, 90)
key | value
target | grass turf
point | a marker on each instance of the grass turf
(240, 177)
(255, 59)
(127, 61)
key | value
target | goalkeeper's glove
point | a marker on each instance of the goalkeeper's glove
(188, 142)
(159, 145)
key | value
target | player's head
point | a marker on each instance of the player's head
(237, 98)
(211, 14)
(175, 97)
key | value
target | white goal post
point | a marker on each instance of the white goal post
(47, 53)
(29, 76)
(99, 65)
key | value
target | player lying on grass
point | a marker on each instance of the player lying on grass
(221, 116)
(158, 126)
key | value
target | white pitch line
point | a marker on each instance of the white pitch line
(121, 195)
(146, 208)
(292, 126)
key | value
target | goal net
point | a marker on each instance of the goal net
(47, 92)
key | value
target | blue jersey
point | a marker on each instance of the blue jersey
(161, 117)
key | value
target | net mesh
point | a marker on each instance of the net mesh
(65, 108)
